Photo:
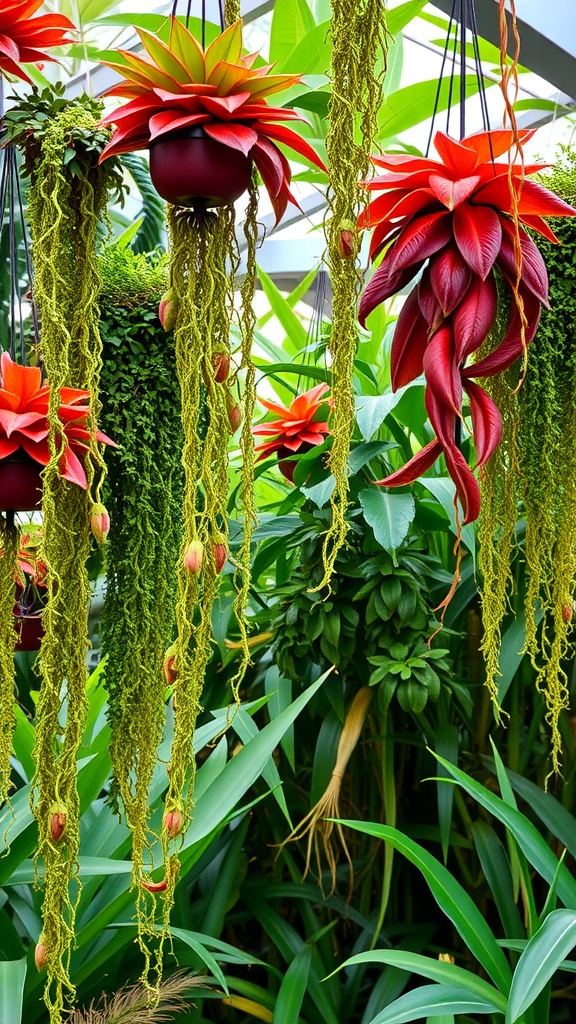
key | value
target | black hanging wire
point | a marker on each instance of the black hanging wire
(202, 16)
(320, 315)
(20, 323)
(463, 14)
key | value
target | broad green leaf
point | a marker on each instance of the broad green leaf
(452, 899)
(295, 296)
(534, 847)
(243, 770)
(540, 960)
(87, 867)
(12, 978)
(550, 811)
(372, 410)
(192, 940)
(293, 989)
(389, 514)
(282, 309)
(442, 487)
(446, 744)
(512, 650)
(409, 106)
(247, 730)
(496, 868)
(434, 970)
(399, 17)
(291, 22)
(435, 1001)
(320, 493)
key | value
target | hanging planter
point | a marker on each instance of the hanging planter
(30, 590)
(179, 86)
(188, 168)
(20, 483)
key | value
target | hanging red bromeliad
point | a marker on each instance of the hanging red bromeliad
(453, 217)
(299, 428)
(204, 115)
(23, 37)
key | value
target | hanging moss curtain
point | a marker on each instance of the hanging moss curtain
(66, 203)
(358, 63)
(536, 465)
(144, 498)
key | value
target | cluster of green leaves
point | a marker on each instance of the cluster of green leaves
(26, 123)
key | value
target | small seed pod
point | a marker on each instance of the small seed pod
(167, 310)
(234, 413)
(220, 556)
(193, 557)
(57, 825)
(156, 886)
(170, 671)
(347, 242)
(221, 364)
(100, 522)
(40, 954)
(173, 822)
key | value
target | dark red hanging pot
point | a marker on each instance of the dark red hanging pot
(20, 483)
(188, 168)
(28, 625)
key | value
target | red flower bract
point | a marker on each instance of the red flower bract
(23, 38)
(179, 85)
(456, 213)
(24, 419)
(296, 429)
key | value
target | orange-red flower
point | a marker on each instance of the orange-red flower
(23, 38)
(24, 419)
(453, 217)
(179, 85)
(297, 429)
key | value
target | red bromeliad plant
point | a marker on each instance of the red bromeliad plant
(175, 87)
(454, 218)
(298, 428)
(23, 37)
(24, 423)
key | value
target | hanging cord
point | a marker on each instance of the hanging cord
(221, 17)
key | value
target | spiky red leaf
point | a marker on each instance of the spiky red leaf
(382, 285)
(420, 238)
(478, 235)
(417, 465)
(450, 277)
(408, 344)
(486, 422)
(475, 316)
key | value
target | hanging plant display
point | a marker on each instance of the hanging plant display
(452, 217)
(357, 67)
(536, 467)
(67, 198)
(203, 113)
(144, 498)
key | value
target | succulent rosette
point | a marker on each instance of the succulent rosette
(452, 218)
(179, 85)
(298, 428)
(23, 38)
(24, 425)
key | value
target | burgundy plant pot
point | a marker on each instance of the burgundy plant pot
(188, 168)
(20, 483)
(30, 631)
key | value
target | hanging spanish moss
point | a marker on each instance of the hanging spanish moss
(144, 498)
(203, 263)
(247, 324)
(9, 543)
(536, 465)
(66, 204)
(358, 33)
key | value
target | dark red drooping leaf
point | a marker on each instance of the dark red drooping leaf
(429, 306)
(408, 344)
(417, 465)
(474, 317)
(486, 422)
(450, 277)
(420, 238)
(511, 347)
(442, 372)
(466, 483)
(533, 269)
(478, 235)
(382, 285)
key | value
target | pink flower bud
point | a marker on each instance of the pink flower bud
(193, 556)
(40, 956)
(100, 522)
(57, 826)
(347, 243)
(221, 364)
(220, 556)
(173, 822)
(167, 310)
(170, 671)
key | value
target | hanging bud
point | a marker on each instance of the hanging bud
(57, 825)
(234, 412)
(170, 671)
(347, 242)
(167, 310)
(100, 522)
(567, 613)
(156, 886)
(220, 556)
(40, 955)
(193, 557)
(221, 364)
(173, 822)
